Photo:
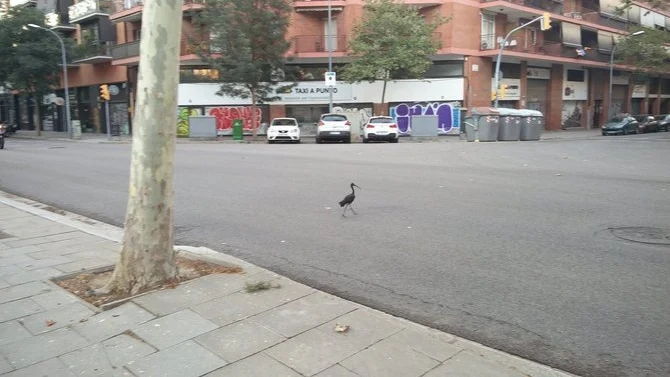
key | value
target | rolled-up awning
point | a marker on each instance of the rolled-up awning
(572, 34)
(605, 41)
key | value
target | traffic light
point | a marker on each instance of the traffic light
(546, 21)
(104, 92)
(502, 91)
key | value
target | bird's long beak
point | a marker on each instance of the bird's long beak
(358, 187)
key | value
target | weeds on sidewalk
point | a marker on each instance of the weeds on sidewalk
(259, 286)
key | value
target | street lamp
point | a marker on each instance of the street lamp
(609, 99)
(68, 121)
(330, 56)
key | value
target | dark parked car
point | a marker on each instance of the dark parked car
(620, 124)
(663, 122)
(646, 123)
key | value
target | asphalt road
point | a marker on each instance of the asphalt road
(507, 244)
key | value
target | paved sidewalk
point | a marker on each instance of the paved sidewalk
(206, 327)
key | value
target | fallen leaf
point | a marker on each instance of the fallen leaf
(341, 328)
(83, 320)
(50, 322)
(115, 315)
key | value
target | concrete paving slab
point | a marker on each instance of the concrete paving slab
(13, 331)
(187, 359)
(192, 293)
(32, 275)
(84, 264)
(47, 262)
(57, 318)
(259, 365)
(103, 357)
(55, 299)
(4, 284)
(239, 340)
(24, 290)
(45, 239)
(165, 332)
(337, 371)
(426, 342)
(388, 358)
(240, 305)
(313, 351)
(113, 322)
(117, 372)
(305, 313)
(10, 270)
(48, 368)
(366, 326)
(21, 250)
(15, 259)
(42, 347)
(4, 366)
(18, 309)
(467, 364)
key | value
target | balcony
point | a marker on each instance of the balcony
(317, 43)
(551, 6)
(58, 21)
(548, 49)
(88, 9)
(93, 53)
(129, 53)
(318, 5)
(131, 10)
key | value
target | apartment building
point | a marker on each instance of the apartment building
(563, 71)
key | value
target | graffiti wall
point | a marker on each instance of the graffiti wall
(448, 115)
(182, 119)
(225, 115)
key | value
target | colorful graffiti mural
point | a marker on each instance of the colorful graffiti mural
(448, 115)
(225, 115)
(182, 119)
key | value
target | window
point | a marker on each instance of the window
(575, 75)
(532, 37)
(445, 69)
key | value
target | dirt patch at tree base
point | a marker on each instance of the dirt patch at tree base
(85, 284)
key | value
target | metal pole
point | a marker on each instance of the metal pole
(609, 98)
(109, 126)
(496, 83)
(68, 120)
(330, 57)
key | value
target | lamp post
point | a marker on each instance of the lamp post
(330, 56)
(68, 121)
(609, 99)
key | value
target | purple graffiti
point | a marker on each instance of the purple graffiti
(403, 114)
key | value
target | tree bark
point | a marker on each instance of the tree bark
(36, 114)
(147, 253)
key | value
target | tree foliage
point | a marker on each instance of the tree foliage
(649, 52)
(654, 4)
(247, 45)
(30, 58)
(391, 41)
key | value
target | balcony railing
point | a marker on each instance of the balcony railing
(126, 50)
(85, 9)
(579, 13)
(92, 53)
(318, 43)
(548, 48)
(544, 5)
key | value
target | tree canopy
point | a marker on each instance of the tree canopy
(649, 52)
(30, 58)
(392, 40)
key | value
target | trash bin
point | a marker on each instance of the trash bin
(482, 125)
(510, 124)
(238, 132)
(532, 124)
(76, 129)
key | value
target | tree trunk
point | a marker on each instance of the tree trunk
(147, 254)
(36, 115)
(253, 115)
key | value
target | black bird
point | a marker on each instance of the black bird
(346, 202)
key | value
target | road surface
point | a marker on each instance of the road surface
(508, 244)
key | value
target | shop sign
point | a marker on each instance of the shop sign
(307, 92)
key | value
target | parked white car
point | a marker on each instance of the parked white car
(333, 126)
(379, 128)
(283, 129)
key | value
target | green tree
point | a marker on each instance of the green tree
(391, 41)
(30, 58)
(654, 4)
(247, 45)
(648, 52)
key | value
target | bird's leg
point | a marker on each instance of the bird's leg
(345, 210)
(352, 209)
